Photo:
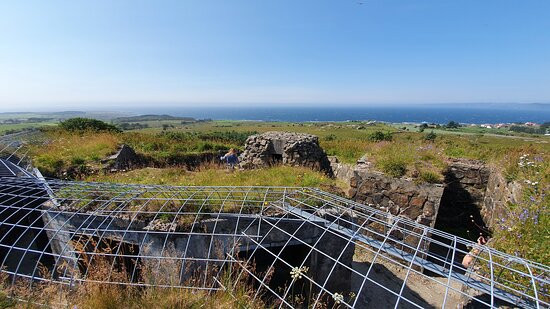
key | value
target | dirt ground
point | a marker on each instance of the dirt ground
(420, 290)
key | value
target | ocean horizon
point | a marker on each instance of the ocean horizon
(475, 114)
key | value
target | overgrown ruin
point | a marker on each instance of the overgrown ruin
(298, 247)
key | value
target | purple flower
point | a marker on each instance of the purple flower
(538, 158)
(532, 198)
(524, 215)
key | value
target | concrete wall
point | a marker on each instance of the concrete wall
(154, 241)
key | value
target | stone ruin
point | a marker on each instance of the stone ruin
(295, 149)
(124, 159)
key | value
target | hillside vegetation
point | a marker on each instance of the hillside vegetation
(422, 156)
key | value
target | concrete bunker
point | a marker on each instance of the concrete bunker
(75, 241)
(294, 149)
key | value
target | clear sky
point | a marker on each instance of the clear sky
(93, 54)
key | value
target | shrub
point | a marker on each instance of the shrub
(430, 136)
(330, 137)
(228, 136)
(430, 177)
(87, 124)
(78, 161)
(394, 167)
(205, 146)
(379, 136)
(452, 125)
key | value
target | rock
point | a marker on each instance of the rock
(417, 202)
(124, 158)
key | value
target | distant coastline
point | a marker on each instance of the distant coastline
(467, 113)
(463, 113)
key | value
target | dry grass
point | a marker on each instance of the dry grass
(234, 293)
(66, 150)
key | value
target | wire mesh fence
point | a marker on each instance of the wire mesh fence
(297, 247)
(292, 247)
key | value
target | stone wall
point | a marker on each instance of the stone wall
(498, 195)
(399, 196)
(471, 175)
(295, 149)
(476, 191)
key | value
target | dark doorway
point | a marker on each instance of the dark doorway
(276, 159)
(459, 215)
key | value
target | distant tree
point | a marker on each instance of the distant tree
(452, 125)
(422, 127)
(87, 124)
(530, 130)
(378, 136)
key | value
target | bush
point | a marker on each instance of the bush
(87, 124)
(205, 146)
(530, 130)
(452, 125)
(379, 136)
(430, 177)
(393, 167)
(228, 136)
(78, 161)
(430, 136)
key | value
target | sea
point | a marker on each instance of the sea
(443, 113)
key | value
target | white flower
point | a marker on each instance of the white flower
(338, 298)
(298, 272)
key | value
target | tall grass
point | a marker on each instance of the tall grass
(69, 149)
(274, 176)
(232, 293)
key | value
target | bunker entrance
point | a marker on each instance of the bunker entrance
(277, 158)
(276, 272)
(459, 214)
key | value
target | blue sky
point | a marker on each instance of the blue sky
(96, 54)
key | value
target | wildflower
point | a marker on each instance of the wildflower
(524, 215)
(298, 272)
(338, 298)
(532, 198)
